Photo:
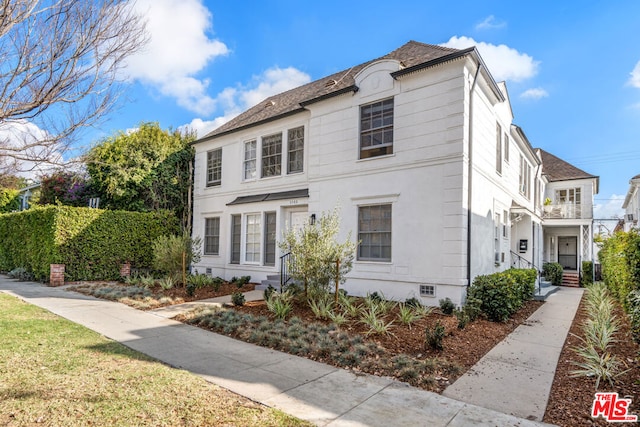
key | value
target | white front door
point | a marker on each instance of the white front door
(297, 220)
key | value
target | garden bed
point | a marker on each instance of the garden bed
(571, 398)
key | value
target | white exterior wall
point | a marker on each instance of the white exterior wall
(425, 180)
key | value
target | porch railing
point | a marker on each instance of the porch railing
(286, 261)
(563, 211)
(519, 262)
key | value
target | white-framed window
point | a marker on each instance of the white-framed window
(212, 236)
(295, 150)
(252, 238)
(505, 224)
(506, 147)
(525, 178)
(269, 238)
(250, 157)
(496, 237)
(374, 233)
(498, 148)
(214, 167)
(271, 155)
(376, 129)
(236, 238)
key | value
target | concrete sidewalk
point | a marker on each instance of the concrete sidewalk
(322, 394)
(516, 376)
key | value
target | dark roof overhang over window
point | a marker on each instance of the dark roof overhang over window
(282, 195)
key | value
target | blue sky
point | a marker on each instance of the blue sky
(572, 68)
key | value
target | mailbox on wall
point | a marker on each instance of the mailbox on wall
(523, 245)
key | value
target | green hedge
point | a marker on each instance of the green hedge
(92, 243)
(552, 271)
(620, 259)
(633, 308)
(502, 294)
(586, 274)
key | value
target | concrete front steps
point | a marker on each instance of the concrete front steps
(272, 280)
(544, 290)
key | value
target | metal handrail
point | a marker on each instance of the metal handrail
(285, 261)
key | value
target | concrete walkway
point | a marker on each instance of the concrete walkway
(515, 377)
(321, 394)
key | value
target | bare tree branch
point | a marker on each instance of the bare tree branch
(60, 72)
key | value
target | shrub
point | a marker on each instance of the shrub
(168, 253)
(280, 304)
(92, 243)
(268, 292)
(620, 259)
(498, 295)
(237, 298)
(447, 306)
(473, 308)
(633, 308)
(9, 200)
(586, 276)
(434, 336)
(552, 271)
(463, 318)
(525, 282)
(166, 283)
(413, 302)
(20, 274)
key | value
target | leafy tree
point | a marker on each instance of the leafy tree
(61, 64)
(9, 200)
(174, 254)
(314, 252)
(145, 170)
(65, 188)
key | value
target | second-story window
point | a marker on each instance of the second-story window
(214, 167)
(295, 150)
(376, 129)
(250, 153)
(498, 148)
(525, 178)
(271, 155)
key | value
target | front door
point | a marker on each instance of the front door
(568, 252)
(297, 220)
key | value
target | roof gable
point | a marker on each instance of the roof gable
(411, 56)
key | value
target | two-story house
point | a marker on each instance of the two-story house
(568, 215)
(631, 204)
(417, 148)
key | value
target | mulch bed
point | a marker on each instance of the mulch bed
(571, 398)
(463, 347)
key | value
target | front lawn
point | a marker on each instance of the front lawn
(55, 372)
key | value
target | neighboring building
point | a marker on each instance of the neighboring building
(631, 204)
(568, 218)
(26, 193)
(419, 151)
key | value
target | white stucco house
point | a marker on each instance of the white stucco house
(631, 204)
(568, 215)
(419, 150)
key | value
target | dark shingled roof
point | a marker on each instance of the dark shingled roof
(559, 170)
(412, 55)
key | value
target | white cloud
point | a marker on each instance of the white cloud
(490, 23)
(534, 93)
(23, 140)
(504, 63)
(612, 208)
(234, 100)
(179, 47)
(634, 80)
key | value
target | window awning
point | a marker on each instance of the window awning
(282, 195)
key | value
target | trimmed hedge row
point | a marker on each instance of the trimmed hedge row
(620, 259)
(92, 243)
(502, 294)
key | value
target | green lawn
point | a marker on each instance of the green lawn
(57, 373)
